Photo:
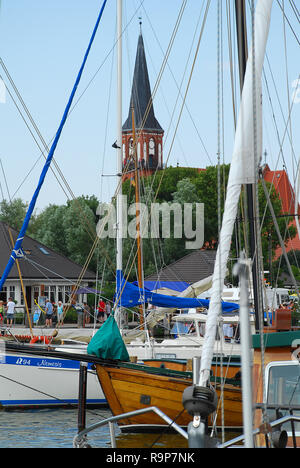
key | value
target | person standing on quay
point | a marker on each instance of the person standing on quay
(107, 309)
(60, 313)
(101, 310)
(10, 310)
(49, 313)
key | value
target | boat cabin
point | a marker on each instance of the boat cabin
(281, 395)
(193, 324)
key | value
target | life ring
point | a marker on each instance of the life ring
(34, 340)
(46, 339)
(43, 339)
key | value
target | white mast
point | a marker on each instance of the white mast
(241, 172)
(119, 230)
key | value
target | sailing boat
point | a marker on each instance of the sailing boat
(31, 390)
(132, 386)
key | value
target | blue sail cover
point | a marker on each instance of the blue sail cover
(131, 296)
(173, 285)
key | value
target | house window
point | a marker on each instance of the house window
(50, 292)
(36, 293)
(60, 294)
(44, 251)
(12, 292)
(22, 298)
(3, 294)
(68, 293)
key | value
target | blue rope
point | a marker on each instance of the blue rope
(17, 250)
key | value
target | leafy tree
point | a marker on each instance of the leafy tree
(68, 229)
(48, 228)
(280, 266)
(13, 213)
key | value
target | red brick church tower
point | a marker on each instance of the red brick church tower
(148, 132)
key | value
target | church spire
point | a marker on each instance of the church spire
(141, 94)
(149, 134)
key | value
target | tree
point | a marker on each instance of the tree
(69, 229)
(48, 228)
(13, 213)
(79, 230)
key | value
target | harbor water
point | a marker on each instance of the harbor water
(56, 428)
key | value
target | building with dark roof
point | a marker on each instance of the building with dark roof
(190, 269)
(45, 273)
(149, 133)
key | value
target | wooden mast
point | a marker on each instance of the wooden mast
(22, 285)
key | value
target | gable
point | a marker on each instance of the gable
(40, 262)
(192, 268)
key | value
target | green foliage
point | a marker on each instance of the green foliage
(280, 265)
(70, 229)
(13, 213)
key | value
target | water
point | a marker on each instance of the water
(56, 428)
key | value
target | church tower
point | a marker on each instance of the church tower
(149, 134)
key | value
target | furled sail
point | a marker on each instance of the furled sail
(131, 295)
(242, 171)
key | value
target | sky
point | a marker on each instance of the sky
(42, 45)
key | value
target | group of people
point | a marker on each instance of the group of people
(84, 312)
(9, 308)
(103, 311)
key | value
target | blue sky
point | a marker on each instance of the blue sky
(42, 44)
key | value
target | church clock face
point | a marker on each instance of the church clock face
(151, 146)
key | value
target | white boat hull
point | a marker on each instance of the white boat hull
(184, 349)
(28, 381)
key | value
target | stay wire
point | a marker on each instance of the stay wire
(182, 107)
(167, 428)
(55, 398)
(86, 224)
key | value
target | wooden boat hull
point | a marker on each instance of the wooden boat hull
(230, 370)
(130, 387)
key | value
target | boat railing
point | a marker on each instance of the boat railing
(272, 426)
(79, 440)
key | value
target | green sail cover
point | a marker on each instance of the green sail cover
(108, 342)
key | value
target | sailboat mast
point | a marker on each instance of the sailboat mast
(138, 215)
(119, 226)
(243, 57)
